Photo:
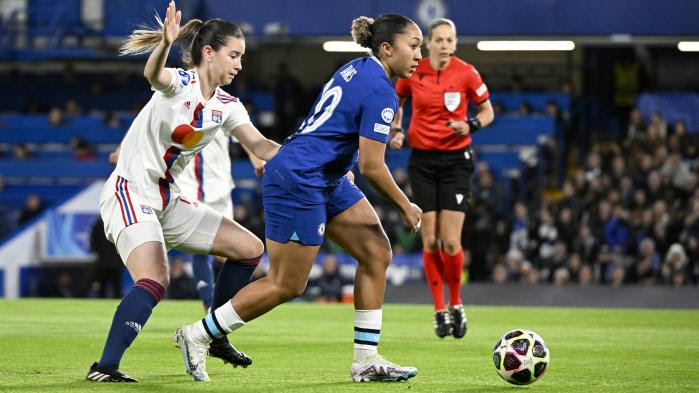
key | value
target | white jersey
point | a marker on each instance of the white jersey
(176, 123)
(208, 176)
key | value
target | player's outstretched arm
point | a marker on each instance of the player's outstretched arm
(375, 171)
(257, 163)
(250, 137)
(155, 71)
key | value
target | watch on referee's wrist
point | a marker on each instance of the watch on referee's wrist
(473, 124)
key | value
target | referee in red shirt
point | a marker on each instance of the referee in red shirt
(441, 162)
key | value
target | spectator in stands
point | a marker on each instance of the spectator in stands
(616, 229)
(618, 275)
(658, 123)
(81, 150)
(56, 117)
(586, 275)
(687, 143)
(498, 108)
(519, 237)
(111, 120)
(566, 228)
(545, 235)
(63, 287)
(674, 267)
(330, 282)
(21, 152)
(32, 207)
(636, 129)
(586, 245)
(72, 108)
(108, 264)
(500, 274)
(182, 285)
(646, 267)
(561, 276)
(675, 172)
(524, 109)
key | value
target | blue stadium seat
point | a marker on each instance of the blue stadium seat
(537, 100)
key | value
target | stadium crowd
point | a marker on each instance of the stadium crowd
(625, 212)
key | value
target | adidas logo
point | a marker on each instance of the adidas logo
(459, 198)
(134, 325)
(186, 104)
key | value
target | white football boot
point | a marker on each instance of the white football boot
(376, 368)
(194, 352)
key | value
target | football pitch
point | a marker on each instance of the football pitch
(48, 346)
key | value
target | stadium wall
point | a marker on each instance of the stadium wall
(29, 247)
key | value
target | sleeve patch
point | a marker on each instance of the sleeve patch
(481, 90)
(381, 128)
(387, 115)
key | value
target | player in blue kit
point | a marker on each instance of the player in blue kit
(307, 195)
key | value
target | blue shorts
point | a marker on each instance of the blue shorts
(288, 218)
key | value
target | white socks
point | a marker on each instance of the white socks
(367, 330)
(219, 323)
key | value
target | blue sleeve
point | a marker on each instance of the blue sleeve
(377, 111)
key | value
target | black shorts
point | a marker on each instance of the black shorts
(441, 180)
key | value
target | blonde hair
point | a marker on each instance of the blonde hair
(442, 21)
(361, 31)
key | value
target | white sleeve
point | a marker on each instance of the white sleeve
(179, 79)
(238, 116)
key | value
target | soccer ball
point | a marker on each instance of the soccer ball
(521, 357)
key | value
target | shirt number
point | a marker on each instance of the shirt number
(322, 112)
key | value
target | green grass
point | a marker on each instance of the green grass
(48, 345)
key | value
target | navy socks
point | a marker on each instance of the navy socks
(130, 317)
(232, 277)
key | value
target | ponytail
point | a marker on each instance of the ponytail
(193, 36)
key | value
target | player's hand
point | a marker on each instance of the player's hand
(459, 127)
(350, 176)
(259, 168)
(171, 24)
(398, 138)
(114, 156)
(412, 218)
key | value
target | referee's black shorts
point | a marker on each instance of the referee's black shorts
(441, 180)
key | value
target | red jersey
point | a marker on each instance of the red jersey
(440, 96)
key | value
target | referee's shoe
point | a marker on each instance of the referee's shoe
(107, 374)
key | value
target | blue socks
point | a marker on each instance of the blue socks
(232, 277)
(204, 279)
(130, 317)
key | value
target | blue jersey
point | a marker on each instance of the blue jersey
(359, 100)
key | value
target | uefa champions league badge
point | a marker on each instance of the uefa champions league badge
(387, 115)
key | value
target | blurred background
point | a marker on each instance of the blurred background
(587, 178)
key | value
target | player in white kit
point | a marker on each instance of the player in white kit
(208, 179)
(141, 204)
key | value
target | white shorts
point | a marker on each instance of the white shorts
(128, 222)
(223, 205)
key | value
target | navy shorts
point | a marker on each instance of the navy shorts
(288, 218)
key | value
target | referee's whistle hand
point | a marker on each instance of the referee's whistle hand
(459, 127)
(397, 140)
(412, 217)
